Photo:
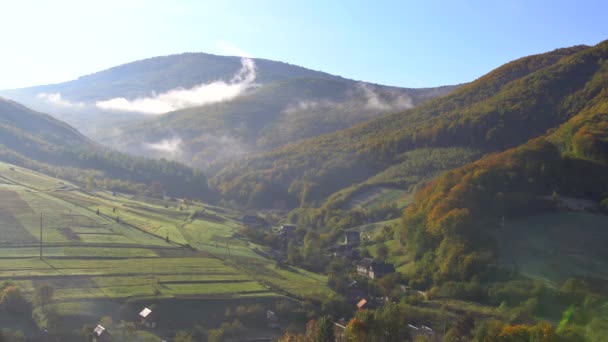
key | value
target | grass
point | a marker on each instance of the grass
(97, 265)
(379, 195)
(556, 246)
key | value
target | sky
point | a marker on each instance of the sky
(401, 43)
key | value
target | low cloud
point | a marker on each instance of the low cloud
(170, 146)
(375, 101)
(207, 93)
(308, 105)
(56, 100)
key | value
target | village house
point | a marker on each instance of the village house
(352, 238)
(272, 319)
(287, 231)
(363, 266)
(149, 318)
(101, 334)
(367, 267)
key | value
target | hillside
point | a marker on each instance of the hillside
(106, 254)
(457, 216)
(220, 107)
(502, 109)
(161, 74)
(38, 141)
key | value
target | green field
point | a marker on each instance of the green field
(379, 195)
(134, 249)
(557, 246)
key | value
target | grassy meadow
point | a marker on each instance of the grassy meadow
(102, 250)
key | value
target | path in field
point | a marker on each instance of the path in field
(375, 196)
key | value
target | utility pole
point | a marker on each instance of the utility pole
(40, 235)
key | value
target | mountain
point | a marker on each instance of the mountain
(219, 108)
(502, 109)
(460, 216)
(38, 141)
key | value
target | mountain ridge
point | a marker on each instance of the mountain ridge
(250, 105)
(480, 115)
(40, 142)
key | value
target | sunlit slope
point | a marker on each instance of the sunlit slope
(99, 245)
(459, 215)
(502, 109)
(38, 141)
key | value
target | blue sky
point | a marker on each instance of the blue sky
(402, 43)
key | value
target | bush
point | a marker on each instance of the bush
(12, 300)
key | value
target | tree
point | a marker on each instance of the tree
(183, 336)
(43, 295)
(391, 323)
(292, 337)
(12, 300)
(382, 252)
(487, 331)
(388, 283)
(356, 330)
(461, 330)
(325, 330)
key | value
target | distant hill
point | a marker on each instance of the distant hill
(226, 107)
(40, 142)
(164, 73)
(505, 108)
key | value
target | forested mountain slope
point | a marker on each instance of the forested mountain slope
(38, 141)
(453, 221)
(220, 107)
(508, 106)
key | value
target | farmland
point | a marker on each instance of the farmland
(105, 251)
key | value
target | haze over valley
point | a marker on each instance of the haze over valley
(431, 172)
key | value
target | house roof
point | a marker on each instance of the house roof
(366, 262)
(145, 312)
(99, 330)
(382, 267)
(361, 303)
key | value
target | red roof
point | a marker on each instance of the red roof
(361, 303)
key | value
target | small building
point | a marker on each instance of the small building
(287, 230)
(253, 221)
(363, 266)
(352, 238)
(379, 270)
(369, 268)
(362, 304)
(149, 318)
(272, 319)
(101, 334)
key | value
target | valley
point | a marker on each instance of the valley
(105, 253)
(228, 198)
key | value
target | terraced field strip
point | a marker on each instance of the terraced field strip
(126, 278)
(288, 281)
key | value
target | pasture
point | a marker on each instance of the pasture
(103, 250)
(556, 246)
